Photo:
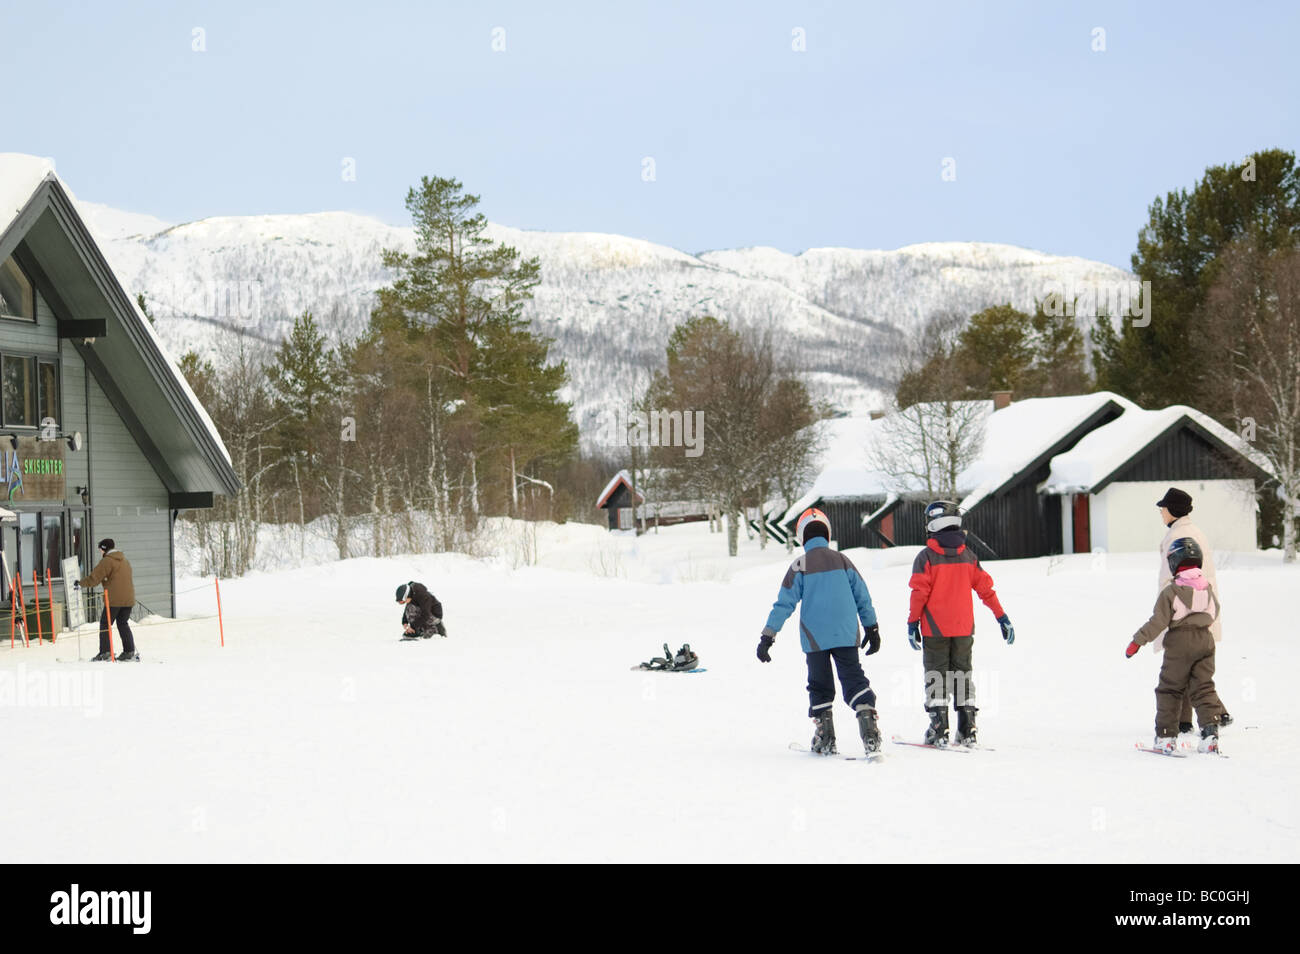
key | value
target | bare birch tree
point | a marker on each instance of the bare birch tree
(1253, 312)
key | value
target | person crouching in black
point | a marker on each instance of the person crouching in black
(422, 617)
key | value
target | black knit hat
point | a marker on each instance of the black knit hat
(1176, 502)
(403, 591)
(106, 544)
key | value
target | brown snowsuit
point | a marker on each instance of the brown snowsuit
(1188, 666)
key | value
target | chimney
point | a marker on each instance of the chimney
(877, 415)
(1001, 399)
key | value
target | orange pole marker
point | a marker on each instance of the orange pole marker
(220, 625)
(108, 619)
(36, 588)
(54, 630)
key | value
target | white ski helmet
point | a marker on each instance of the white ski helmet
(810, 516)
(940, 515)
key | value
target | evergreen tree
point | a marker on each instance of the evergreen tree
(996, 350)
(1177, 252)
(1060, 359)
(469, 292)
(306, 377)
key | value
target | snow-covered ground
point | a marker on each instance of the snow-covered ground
(314, 734)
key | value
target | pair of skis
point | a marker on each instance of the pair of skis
(871, 757)
(897, 740)
(1178, 753)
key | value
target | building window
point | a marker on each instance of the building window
(49, 396)
(39, 539)
(17, 298)
(18, 383)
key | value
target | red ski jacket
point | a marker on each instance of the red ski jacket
(942, 579)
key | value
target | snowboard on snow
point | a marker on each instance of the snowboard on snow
(873, 757)
(644, 668)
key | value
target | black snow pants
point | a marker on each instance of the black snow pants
(122, 620)
(821, 684)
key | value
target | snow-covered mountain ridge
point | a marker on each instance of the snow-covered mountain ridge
(608, 301)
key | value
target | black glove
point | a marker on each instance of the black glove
(871, 639)
(764, 645)
(77, 585)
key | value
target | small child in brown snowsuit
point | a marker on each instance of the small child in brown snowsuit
(1185, 607)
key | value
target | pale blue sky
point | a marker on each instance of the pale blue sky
(1057, 147)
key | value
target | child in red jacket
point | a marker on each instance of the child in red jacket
(942, 619)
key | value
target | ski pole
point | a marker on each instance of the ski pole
(221, 626)
(54, 635)
(108, 624)
(36, 588)
(20, 605)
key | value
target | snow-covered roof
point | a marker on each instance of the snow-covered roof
(845, 465)
(622, 477)
(1096, 458)
(1019, 434)
(1014, 438)
(20, 177)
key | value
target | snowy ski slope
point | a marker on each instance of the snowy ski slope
(316, 735)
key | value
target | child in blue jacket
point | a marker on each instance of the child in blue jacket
(834, 599)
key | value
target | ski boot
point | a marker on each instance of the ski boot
(102, 657)
(1209, 739)
(966, 725)
(869, 729)
(937, 733)
(823, 741)
(131, 656)
(1166, 744)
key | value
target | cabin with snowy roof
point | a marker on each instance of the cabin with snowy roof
(652, 507)
(1053, 475)
(101, 434)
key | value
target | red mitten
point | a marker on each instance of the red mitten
(1132, 648)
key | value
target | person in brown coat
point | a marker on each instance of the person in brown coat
(114, 571)
(1186, 608)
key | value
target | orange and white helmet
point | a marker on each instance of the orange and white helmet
(810, 516)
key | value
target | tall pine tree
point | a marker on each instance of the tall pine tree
(469, 293)
(1178, 252)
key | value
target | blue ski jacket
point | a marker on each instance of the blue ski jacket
(834, 598)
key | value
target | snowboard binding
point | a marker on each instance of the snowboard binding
(683, 659)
